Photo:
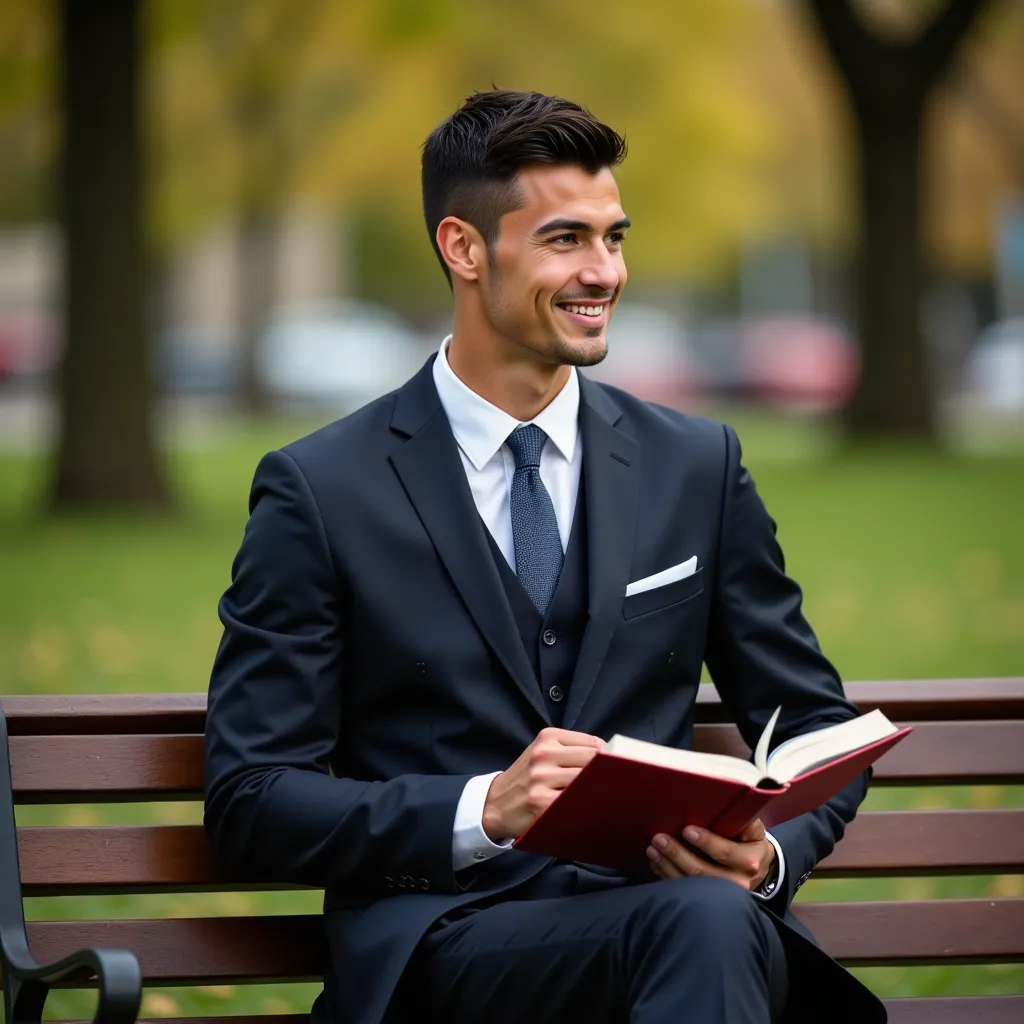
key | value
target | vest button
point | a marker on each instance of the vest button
(556, 693)
(549, 638)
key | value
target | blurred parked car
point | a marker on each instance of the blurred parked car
(29, 346)
(648, 356)
(716, 345)
(994, 369)
(197, 360)
(338, 356)
(797, 361)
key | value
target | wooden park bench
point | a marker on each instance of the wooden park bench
(89, 749)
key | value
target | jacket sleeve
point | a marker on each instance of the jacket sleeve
(273, 810)
(762, 653)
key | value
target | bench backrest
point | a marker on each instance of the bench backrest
(92, 749)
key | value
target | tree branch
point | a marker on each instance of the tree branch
(938, 42)
(995, 117)
(854, 48)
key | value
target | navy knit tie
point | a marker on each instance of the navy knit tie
(534, 526)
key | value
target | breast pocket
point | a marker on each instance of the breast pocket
(667, 596)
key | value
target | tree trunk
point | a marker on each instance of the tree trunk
(106, 456)
(258, 233)
(888, 84)
(894, 399)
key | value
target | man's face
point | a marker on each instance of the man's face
(557, 268)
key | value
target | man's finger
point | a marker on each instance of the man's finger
(573, 757)
(673, 854)
(557, 778)
(568, 738)
(753, 833)
(724, 851)
(662, 867)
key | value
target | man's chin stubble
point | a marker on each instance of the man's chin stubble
(569, 355)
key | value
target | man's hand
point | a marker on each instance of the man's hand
(745, 861)
(518, 795)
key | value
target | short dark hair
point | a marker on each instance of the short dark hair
(471, 160)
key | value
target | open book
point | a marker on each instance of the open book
(633, 789)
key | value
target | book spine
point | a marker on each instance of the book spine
(742, 811)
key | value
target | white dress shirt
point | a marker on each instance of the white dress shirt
(481, 430)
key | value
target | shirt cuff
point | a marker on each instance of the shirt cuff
(770, 886)
(470, 844)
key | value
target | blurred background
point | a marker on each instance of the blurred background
(211, 242)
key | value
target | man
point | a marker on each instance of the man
(428, 634)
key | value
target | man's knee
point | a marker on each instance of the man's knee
(704, 908)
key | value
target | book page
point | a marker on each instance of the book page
(720, 766)
(802, 753)
(761, 750)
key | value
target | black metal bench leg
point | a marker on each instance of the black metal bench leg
(24, 1001)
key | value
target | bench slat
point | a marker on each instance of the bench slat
(976, 842)
(924, 932)
(154, 858)
(278, 948)
(56, 769)
(100, 714)
(67, 768)
(956, 1010)
(184, 951)
(272, 1018)
(116, 713)
(929, 1010)
(941, 700)
(121, 859)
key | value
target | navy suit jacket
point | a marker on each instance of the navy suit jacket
(370, 664)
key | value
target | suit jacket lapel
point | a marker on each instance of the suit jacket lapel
(431, 472)
(612, 480)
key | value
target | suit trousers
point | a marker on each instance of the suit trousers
(574, 944)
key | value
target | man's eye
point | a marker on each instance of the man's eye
(617, 237)
(570, 238)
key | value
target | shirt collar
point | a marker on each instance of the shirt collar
(481, 428)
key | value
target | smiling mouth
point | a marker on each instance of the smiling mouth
(593, 314)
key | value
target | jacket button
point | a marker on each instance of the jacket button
(556, 693)
(549, 638)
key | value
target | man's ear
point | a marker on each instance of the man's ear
(462, 248)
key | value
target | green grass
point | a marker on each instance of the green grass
(912, 565)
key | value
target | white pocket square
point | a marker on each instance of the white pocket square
(663, 578)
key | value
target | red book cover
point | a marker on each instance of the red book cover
(805, 792)
(614, 807)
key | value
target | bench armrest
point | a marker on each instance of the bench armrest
(27, 984)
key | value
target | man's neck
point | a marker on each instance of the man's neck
(518, 385)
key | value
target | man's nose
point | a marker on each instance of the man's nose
(602, 271)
